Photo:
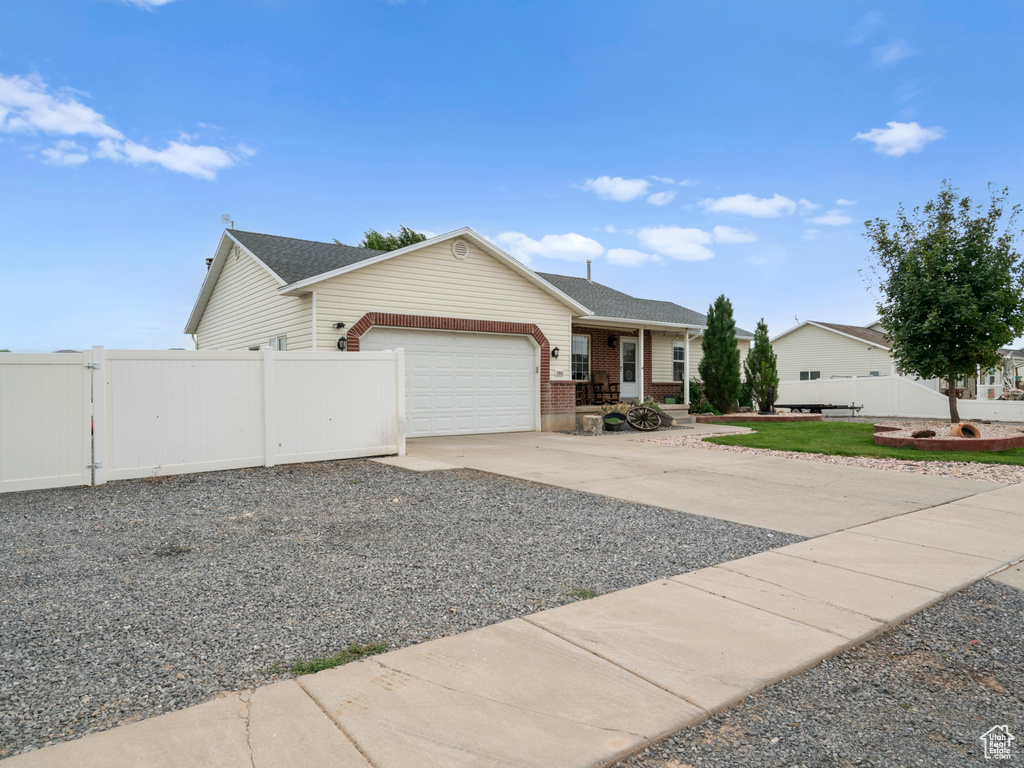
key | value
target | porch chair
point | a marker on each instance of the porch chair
(605, 392)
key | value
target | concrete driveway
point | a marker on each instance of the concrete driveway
(802, 497)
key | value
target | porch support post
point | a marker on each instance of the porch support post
(640, 353)
(686, 366)
(977, 390)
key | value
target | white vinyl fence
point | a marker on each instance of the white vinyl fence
(162, 413)
(893, 396)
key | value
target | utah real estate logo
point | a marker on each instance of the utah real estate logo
(996, 741)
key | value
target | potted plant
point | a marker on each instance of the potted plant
(614, 422)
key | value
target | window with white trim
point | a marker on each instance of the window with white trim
(579, 361)
(809, 375)
(678, 360)
(279, 343)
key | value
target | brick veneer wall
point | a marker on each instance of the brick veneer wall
(605, 358)
(557, 398)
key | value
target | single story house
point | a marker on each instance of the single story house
(819, 350)
(491, 345)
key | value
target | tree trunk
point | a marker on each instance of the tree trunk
(954, 414)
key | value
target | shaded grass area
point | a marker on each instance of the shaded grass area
(843, 439)
(352, 653)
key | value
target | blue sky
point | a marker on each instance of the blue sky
(688, 148)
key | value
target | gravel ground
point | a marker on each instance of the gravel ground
(138, 597)
(920, 695)
(967, 470)
(942, 429)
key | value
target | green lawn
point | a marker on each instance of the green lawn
(846, 439)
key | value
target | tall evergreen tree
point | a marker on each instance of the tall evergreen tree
(761, 366)
(720, 367)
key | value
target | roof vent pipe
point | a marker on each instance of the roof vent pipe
(588, 272)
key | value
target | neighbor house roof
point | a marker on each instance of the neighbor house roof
(293, 260)
(859, 332)
(605, 302)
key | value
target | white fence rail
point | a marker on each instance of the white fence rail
(889, 396)
(161, 413)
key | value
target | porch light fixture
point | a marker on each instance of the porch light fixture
(342, 343)
(554, 352)
(613, 341)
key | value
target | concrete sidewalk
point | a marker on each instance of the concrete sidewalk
(807, 498)
(588, 683)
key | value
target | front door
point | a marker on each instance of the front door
(629, 387)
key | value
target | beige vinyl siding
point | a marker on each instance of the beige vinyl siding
(432, 282)
(697, 354)
(661, 356)
(245, 310)
(810, 348)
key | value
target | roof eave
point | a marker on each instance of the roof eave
(626, 322)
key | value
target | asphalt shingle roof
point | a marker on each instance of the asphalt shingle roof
(857, 331)
(294, 260)
(608, 302)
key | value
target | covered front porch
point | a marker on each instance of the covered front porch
(621, 361)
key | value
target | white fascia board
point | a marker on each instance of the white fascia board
(224, 248)
(624, 322)
(303, 286)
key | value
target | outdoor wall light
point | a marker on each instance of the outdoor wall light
(341, 343)
(339, 325)
(554, 352)
(613, 341)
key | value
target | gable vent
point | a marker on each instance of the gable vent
(460, 250)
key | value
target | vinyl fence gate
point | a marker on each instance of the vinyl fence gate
(85, 418)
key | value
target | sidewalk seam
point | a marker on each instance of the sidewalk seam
(616, 664)
(346, 734)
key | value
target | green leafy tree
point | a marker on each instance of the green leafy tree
(376, 241)
(761, 368)
(720, 367)
(951, 285)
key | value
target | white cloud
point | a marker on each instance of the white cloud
(618, 188)
(864, 28)
(842, 201)
(748, 205)
(66, 152)
(811, 234)
(900, 138)
(570, 247)
(887, 55)
(609, 228)
(688, 183)
(148, 4)
(630, 258)
(806, 206)
(677, 242)
(26, 106)
(731, 235)
(834, 218)
(661, 198)
(664, 179)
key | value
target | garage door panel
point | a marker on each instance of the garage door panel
(461, 383)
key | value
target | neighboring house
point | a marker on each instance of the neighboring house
(491, 345)
(819, 350)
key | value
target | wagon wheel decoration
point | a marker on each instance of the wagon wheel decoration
(643, 418)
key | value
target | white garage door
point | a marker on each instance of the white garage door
(463, 383)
